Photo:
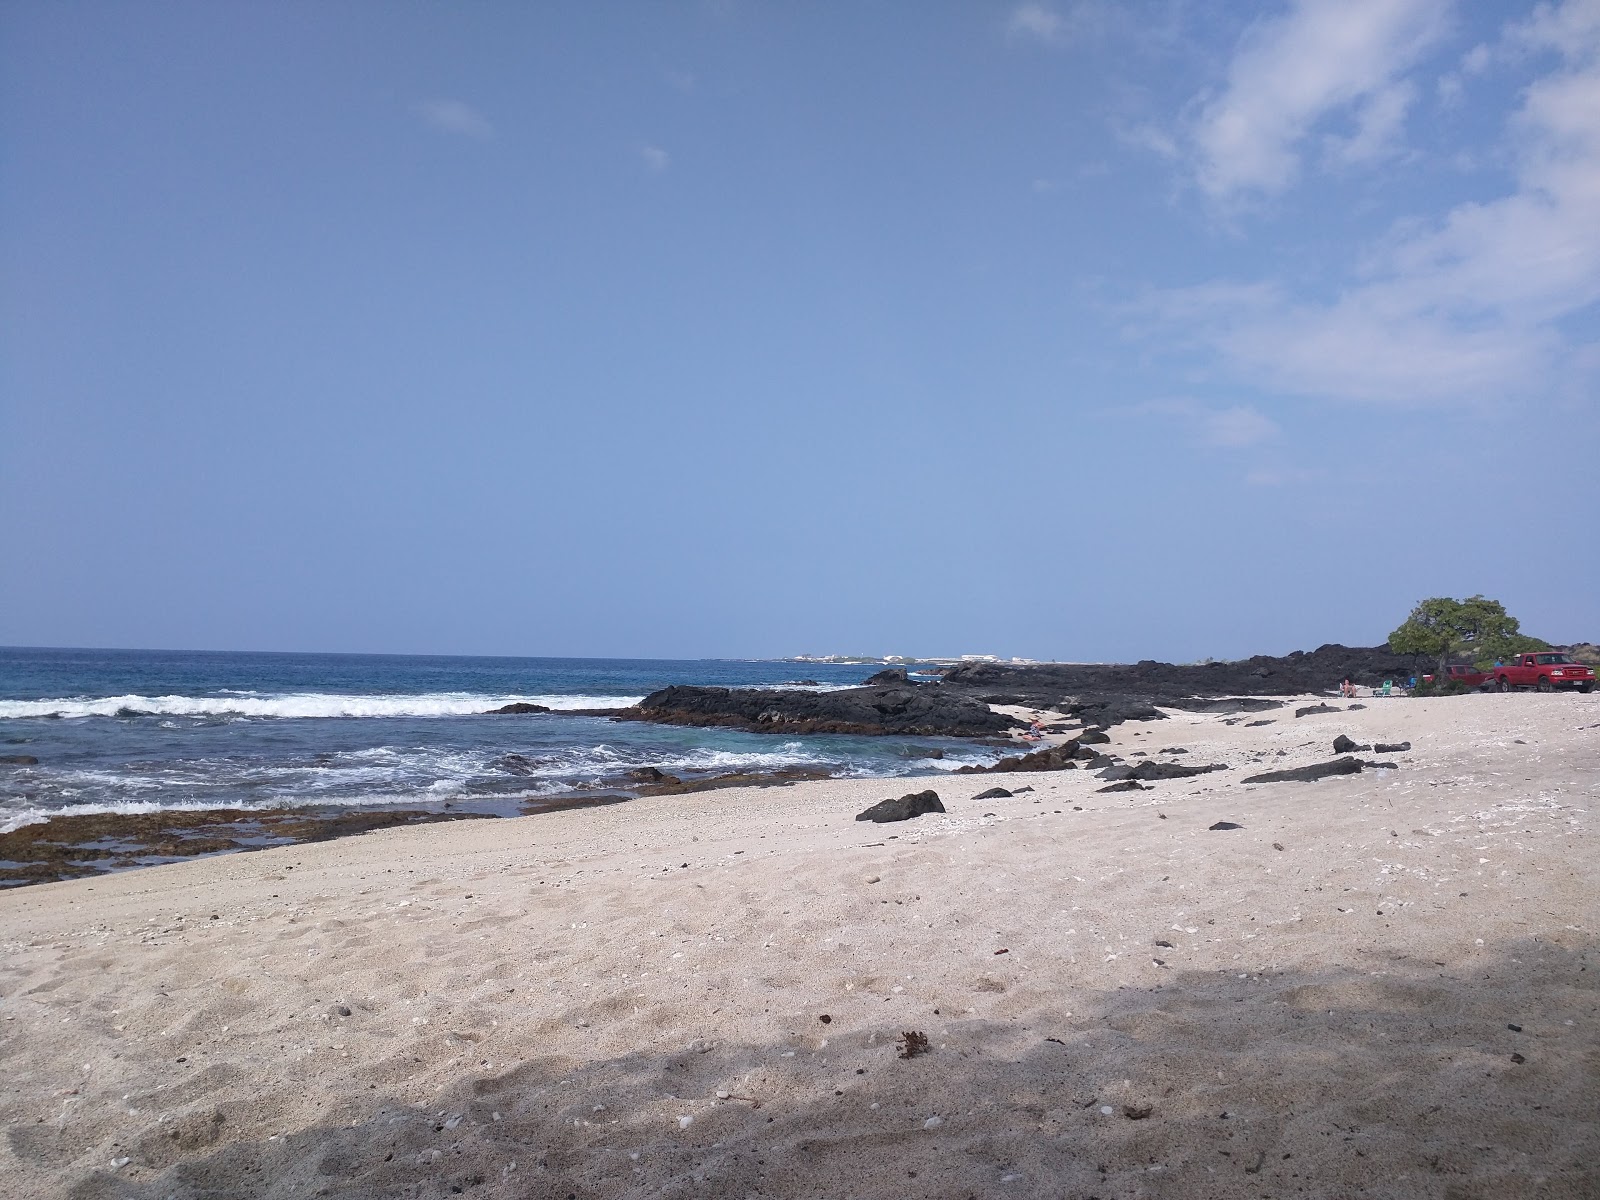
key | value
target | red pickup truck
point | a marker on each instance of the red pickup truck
(1546, 670)
(1470, 676)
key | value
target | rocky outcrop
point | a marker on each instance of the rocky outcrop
(1050, 758)
(1339, 766)
(520, 707)
(1343, 745)
(1157, 682)
(904, 809)
(888, 677)
(899, 709)
(1150, 769)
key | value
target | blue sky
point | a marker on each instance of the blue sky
(1094, 330)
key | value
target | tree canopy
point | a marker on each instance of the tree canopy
(1442, 628)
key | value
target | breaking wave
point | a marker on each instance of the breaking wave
(301, 705)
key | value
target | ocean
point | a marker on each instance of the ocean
(137, 731)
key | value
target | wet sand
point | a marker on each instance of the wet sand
(708, 994)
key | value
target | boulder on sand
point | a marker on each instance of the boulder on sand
(1050, 758)
(912, 805)
(1343, 745)
(1314, 708)
(1339, 766)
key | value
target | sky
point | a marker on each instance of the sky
(1086, 331)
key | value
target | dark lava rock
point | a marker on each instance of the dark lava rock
(993, 794)
(1343, 745)
(1116, 772)
(896, 709)
(903, 809)
(1160, 770)
(1096, 761)
(671, 785)
(1389, 766)
(1127, 785)
(651, 775)
(1291, 675)
(1396, 748)
(19, 760)
(1231, 704)
(1225, 825)
(1172, 750)
(1255, 724)
(1050, 758)
(69, 847)
(521, 706)
(1314, 708)
(1339, 766)
(517, 764)
(1093, 737)
(1114, 710)
(888, 677)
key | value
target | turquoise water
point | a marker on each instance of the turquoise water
(138, 731)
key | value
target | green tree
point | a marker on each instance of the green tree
(1441, 628)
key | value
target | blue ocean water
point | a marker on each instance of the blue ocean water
(139, 731)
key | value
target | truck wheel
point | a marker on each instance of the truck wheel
(1503, 684)
(1544, 684)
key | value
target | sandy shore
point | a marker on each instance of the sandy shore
(1381, 985)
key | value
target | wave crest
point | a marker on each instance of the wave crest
(300, 705)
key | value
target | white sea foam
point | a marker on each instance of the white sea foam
(296, 705)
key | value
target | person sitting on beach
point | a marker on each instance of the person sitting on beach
(1349, 689)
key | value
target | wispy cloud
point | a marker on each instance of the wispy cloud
(1289, 74)
(1036, 21)
(1474, 307)
(1282, 476)
(655, 158)
(1231, 427)
(455, 117)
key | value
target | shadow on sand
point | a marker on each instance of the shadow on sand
(1397, 1079)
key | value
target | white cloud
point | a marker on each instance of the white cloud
(1379, 126)
(1475, 307)
(655, 157)
(1282, 476)
(1289, 74)
(1036, 21)
(454, 116)
(1232, 427)
(1238, 426)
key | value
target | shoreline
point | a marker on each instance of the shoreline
(614, 1001)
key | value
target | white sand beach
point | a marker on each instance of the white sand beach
(1382, 985)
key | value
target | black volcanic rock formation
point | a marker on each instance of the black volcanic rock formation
(899, 709)
(1316, 771)
(1108, 693)
(905, 808)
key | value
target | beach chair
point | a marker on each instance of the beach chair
(1387, 689)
